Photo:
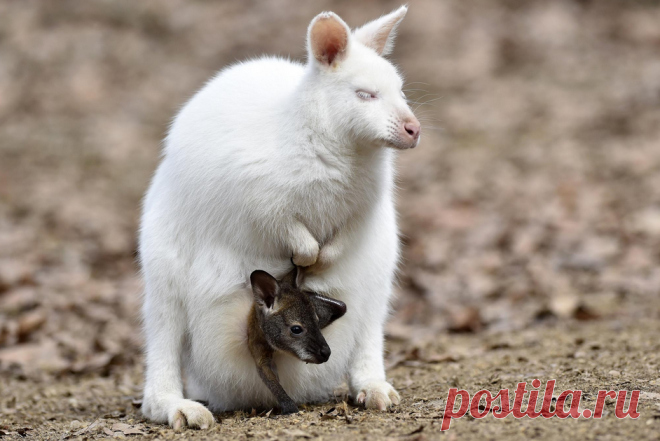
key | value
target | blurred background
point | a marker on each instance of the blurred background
(532, 201)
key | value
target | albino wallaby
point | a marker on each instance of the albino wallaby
(273, 158)
(287, 319)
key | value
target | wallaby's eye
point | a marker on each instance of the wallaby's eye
(297, 330)
(366, 96)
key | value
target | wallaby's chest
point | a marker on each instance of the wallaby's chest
(326, 205)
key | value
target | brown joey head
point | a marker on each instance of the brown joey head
(291, 319)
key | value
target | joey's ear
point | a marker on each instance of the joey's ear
(264, 287)
(379, 34)
(327, 38)
(295, 276)
(328, 310)
(300, 275)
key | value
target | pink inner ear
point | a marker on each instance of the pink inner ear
(329, 39)
(380, 37)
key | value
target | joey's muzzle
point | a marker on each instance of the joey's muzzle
(318, 354)
(324, 354)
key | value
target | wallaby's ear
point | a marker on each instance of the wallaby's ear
(328, 310)
(264, 287)
(327, 38)
(379, 34)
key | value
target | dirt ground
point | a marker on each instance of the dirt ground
(530, 212)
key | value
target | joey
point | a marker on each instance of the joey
(287, 319)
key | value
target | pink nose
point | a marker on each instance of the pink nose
(412, 128)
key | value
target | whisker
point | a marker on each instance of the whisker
(427, 94)
(430, 101)
(416, 82)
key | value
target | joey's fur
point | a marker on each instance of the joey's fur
(279, 309)
(273, 158)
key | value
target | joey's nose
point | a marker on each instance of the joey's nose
(412, 128)
(325, 353)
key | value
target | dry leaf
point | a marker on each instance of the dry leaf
(120, 427)
(297, 433)
(441, 358)
(95, 363)
(564, 306)
(19, 300)
(466, 319)
(133, 431)
(34, 356)
(29, 323)
(584, 313)
(127, 429)
(418, 430)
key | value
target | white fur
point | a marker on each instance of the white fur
(272, 158)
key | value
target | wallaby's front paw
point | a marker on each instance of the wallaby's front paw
(188, 413)
(378, 395)
(288, 408)
(306, 253)
(327, 256)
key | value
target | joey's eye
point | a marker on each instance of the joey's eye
(297, 329)
(366, 96)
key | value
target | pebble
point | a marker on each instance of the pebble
(614, 373)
